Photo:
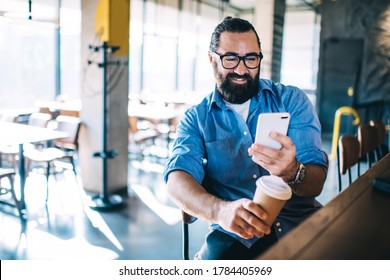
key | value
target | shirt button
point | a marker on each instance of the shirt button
(254, 176)
(278, 224)
(245, 132)
(279, 230)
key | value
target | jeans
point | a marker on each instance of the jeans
(221, 246)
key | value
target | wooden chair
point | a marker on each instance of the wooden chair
(69, 112)
(61, 149)
(381, 131)
(348, 155)
(368, 139)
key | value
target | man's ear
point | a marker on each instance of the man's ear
(210, 57)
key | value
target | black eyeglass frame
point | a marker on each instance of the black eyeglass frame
(221, 56)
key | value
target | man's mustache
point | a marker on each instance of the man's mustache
(236, 76)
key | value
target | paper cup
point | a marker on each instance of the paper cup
(271, 194)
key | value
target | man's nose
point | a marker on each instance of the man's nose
(241, 69)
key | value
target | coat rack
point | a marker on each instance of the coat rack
(105, 201)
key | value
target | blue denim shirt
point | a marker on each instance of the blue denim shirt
(213, 140)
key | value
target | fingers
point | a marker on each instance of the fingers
(253, 219)
(277, 162)
(246, 229)
(247, 219)
(287, 144)
(283, 139)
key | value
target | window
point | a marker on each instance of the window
(300, 49)
(29, 52)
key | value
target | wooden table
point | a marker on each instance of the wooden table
(68, 108)
(354, 225)
(20, 134)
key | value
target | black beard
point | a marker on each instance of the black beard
(238, 94)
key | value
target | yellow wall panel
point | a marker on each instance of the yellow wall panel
(112, 23)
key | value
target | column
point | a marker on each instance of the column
(116, 25)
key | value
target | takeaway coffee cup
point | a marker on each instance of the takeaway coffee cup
(271, 194)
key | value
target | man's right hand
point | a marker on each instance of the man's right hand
(243, 217)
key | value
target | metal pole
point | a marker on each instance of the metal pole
(104, 152)
(105, 201)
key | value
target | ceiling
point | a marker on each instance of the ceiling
(5, 5)
(291, 4)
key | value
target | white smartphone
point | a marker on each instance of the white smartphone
(268, 122)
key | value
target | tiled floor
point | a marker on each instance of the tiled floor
(147, 228)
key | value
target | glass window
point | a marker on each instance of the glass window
(204, 77)
(136, 41)
(300, 49)
(71, 50)
(160, 47)
(27, 51)
(159, 64)
(168, 46)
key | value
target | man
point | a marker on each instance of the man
(214, 164)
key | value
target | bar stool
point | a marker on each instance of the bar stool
(347, 156)
(368, 139)
(381, 131)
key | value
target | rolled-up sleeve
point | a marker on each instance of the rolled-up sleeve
(305, 128)
(188, 153)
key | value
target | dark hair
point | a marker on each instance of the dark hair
(230, 24)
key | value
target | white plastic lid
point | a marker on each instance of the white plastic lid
(274, 186)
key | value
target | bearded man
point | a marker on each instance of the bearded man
(214, 163)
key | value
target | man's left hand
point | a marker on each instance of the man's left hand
(281, 162)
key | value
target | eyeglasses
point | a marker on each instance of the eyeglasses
(231, 61)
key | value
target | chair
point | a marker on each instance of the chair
(39, 119)
(381, 131)
(140, 138)
(61, 149)
(348, 155)
(187, 219)
(8, 150)
(35, 119)
(4, 189)
(368, 139)
(69, 112)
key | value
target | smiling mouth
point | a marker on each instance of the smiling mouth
(239, 80)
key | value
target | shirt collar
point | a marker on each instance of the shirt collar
(217, 100)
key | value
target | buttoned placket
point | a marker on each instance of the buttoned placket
(254, 176)
(278, 228)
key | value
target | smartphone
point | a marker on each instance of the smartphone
(268, 122)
